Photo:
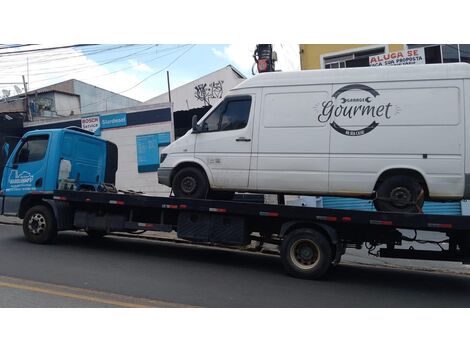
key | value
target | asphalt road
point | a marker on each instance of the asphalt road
(120, 272)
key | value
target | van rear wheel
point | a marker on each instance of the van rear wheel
(401, 193)
(190, 182)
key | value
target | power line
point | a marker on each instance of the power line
(105, 74)
(61, 56)
(134, 86)
(45, 49)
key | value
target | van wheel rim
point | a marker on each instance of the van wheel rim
(37, 224)
(400, 196)
(188, 184)
(305, 254)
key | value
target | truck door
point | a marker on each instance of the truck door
(25, 171)
(224, 143)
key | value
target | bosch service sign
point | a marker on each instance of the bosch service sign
(355, 110)
(91, 123)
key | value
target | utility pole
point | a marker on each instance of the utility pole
(28, 111)
(168, 82)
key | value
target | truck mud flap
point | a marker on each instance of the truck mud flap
(217, 229)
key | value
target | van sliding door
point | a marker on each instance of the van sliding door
(294, 141)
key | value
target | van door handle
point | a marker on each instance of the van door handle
(243, 139)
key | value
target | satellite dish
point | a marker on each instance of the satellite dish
(6, 93)
(18, 89)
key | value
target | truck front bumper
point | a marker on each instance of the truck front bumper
(164, 174)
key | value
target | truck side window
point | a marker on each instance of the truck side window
(33, 149)
(232, 114)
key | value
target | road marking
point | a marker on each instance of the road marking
(86, 295)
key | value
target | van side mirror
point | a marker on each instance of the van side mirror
(196, 128)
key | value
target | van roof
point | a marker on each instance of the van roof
(359, 74)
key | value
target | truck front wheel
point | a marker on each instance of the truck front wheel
(39, 225)
(306, 253)
(190, 182)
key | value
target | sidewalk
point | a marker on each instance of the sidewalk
(10, 220)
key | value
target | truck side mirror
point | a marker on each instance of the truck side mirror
(195, 126)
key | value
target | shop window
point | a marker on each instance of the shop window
(465, 52)
(444, 53)
(358, 58)
(450, 53)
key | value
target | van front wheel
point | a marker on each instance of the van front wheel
(403, 194)
(190, 182)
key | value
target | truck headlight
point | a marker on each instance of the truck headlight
(162, 157)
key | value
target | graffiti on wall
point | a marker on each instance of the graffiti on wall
(205, 92)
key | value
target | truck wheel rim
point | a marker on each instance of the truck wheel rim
(188, 184)
(305, 254)
(37, 224)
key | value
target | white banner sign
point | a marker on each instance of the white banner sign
(405, 57)
(91, 123)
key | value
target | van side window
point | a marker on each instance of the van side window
(33, 149)
(232, 114)
(212, 122)
(236, 115)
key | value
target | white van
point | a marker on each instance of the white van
(397, 135)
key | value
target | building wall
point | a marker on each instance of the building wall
(66, 104)
(207, 90)
(128, 177)
(94, 99)
(311, 54)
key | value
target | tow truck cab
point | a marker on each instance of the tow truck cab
(47, 160)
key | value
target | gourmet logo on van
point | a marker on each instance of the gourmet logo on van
(361, 109)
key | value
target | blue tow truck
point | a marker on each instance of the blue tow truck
(63, 179)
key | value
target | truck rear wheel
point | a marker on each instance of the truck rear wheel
(39, 225)
(190, 182)
(306, 253)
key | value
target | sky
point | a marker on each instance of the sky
(134, 70)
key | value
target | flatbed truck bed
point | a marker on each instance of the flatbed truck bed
(311, 240)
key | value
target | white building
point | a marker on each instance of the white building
(204, 91)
